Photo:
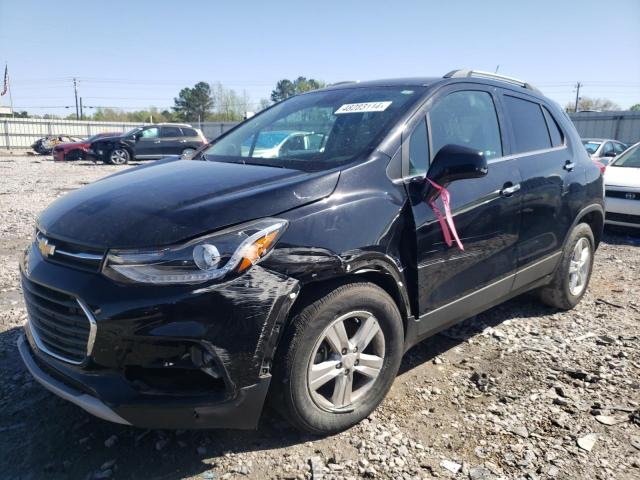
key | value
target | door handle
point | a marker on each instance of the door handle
(569, 165)
(508, 191)
(156, 141)
(182, 141)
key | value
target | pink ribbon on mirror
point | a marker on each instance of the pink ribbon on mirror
(446, 221)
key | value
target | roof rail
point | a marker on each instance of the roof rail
(490, 76)
(343, 82)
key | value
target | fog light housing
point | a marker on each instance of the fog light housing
(204, 361)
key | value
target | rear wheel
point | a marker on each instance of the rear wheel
(187, 153)
(118, 156)
(343, 352)
(572, 276)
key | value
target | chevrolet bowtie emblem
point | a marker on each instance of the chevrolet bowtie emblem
(45, 248)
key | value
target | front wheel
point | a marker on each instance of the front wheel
(572, 275)
(343, 353)
(118, 156)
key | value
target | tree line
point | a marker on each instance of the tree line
(205, 102)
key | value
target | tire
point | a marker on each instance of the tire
(308, 342)
(118, 156)
(187, 153)
(567, 287)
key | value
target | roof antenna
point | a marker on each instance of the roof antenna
(497, 68)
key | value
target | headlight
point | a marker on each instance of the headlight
(211, 257)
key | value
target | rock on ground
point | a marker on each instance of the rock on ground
(508, 394)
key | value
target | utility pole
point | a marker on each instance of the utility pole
(81, 112)
(75, 91)
(578, 85)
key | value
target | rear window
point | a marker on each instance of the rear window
(189, 132)
(529, 126)
(591, 147)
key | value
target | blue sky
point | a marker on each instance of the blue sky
(136, 54)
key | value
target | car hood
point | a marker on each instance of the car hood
(170, 201)
(622, 176)
(114, 138)
(68, 146)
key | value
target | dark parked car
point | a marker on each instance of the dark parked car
(78, 150)
(149, 142)
(182, 294)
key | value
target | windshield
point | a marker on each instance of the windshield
(630, 158)
(591, 146)
(267, 139)
(317, 130)
(132, 131)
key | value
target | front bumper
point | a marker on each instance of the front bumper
(99, 155)
(145, 333)
(622, 211)
(83, 400)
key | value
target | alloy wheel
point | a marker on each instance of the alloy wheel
(579, 266)
(346, 361)
(119, 156)
(187, 153)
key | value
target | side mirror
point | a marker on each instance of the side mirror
(610, 154)
(455, 162)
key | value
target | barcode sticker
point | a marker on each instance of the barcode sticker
(363, 107)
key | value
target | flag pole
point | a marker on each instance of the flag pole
(13, 114)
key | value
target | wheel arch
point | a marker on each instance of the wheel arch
(127, 148)
(387, 281)
(592, 215)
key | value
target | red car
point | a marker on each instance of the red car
(78, 150)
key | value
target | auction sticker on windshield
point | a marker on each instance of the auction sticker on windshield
(363, 107)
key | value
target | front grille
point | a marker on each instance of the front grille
(70, 254)
(623, 217)
(59, 324)
(621, 194)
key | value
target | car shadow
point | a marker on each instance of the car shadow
(616, 235)
(41, 434)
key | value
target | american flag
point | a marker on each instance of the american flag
(5, 85)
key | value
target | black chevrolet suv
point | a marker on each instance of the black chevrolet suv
(183, 294)
(148, 142)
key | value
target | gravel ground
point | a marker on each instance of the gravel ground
(520, 391)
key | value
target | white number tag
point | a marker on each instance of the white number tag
(363, 107)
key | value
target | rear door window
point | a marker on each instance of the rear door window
(468, 119)
(419, 149)
(170, 132)
(557, 138)
(528, 123)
